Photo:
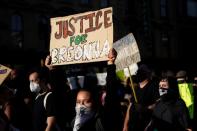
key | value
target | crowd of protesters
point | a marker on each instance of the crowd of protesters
(42, 100)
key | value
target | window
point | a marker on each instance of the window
(163, 8)
(164, 37)
(16, 23)
(17, 30)
(164, 48)
(192, 8)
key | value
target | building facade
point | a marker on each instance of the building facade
(164, 29)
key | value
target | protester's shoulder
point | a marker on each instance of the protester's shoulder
(99, 120)
(153, 85)
(180, 102)
(154, 82)
(153, 88)
(49, 96)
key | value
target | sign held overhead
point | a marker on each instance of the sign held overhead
(81, 38)
(128, 52)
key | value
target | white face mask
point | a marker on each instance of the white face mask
(34, 87)
(83, 114)
(163, 91)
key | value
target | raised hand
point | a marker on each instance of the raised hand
(48, 62)
(112, 56)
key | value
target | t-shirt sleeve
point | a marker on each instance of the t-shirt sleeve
(50, 106)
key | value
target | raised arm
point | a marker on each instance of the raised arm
(113, 116)
(111, 79)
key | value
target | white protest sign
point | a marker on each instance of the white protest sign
(81, 38)
(133, 69)
(101, 77)
(128, 52)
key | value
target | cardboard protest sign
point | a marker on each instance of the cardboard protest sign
(4, 72)
(128, 52)
(131, 70)
(81, 38)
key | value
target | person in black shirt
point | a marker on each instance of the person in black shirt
(44, 110)
(170, 112)
(90, 115)
(139, 112)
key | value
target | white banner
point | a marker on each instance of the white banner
(128, 52)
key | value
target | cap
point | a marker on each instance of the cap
(181, 74)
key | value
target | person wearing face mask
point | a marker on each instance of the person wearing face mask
(139, 112)
(44, 109)
(86, 117)
(170, 112)
(186, 91)
(90, 115)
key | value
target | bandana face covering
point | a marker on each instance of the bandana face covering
(83, 114)
(163, 91)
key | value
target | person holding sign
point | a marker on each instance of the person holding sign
(90, 115)
(139, 113)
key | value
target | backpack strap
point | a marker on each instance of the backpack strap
(45, 99)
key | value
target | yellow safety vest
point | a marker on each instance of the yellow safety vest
(186, 93)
